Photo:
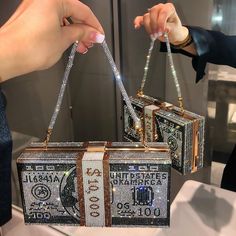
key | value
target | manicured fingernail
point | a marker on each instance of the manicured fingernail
(153, 37)
(90, 45)
(99, 38)
(158, 34)
(85, 51)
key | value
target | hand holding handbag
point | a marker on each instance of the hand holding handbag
(165, 122)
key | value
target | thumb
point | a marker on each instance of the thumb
(82, 33)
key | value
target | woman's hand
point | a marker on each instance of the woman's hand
(37, 34)
(163, 18)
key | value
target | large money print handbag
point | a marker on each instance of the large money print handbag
(95, 183)
(164, 122)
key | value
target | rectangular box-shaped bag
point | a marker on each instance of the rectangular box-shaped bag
(164, 122)
(96, 184)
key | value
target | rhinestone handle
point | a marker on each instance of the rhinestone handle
(146, 68)
(119, 82)
(173, 71)
(64, 83)
(61, 93)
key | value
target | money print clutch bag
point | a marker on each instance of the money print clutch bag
(164, 122)
(96, 184)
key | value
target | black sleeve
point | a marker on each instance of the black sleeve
(212, 46)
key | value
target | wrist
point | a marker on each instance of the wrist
(187, 40)
(181, 36)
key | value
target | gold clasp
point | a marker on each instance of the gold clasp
(96, 148)
(181, 105)
(140, 93)
(142, 139)
(46, 141)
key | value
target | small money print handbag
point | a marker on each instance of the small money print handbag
(163, 122)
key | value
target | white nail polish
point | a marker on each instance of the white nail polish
(158, 34)
(85, 52)
(90, 45)
(100, 38)
(153, 38)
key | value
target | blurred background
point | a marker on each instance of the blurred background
(92, 106)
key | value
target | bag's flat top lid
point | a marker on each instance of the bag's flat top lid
(140, 157)
(116, 150)
(57, 144)
(107, 145)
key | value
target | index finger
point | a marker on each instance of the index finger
(165, 15)
(138, 22)
(159, 15)
(81, 13)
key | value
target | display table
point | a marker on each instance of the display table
(198, 209)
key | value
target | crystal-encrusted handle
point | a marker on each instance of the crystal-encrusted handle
(119, 82)
(146, 68)
(173, 72)
(61, 93)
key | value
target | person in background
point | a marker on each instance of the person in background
(200, 44)
(34, 38)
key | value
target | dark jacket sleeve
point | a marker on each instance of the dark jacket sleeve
(212, 46)
(5, 164)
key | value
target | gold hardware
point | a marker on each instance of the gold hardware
(181, 105)
(195, 146)
(143, 147)
(46, 141)
(140, 93)
(96, 149)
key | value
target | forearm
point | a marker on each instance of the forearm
(13, 61)
(37, 34)
(6, 56)
(213, 47)
(207, 46)
(210, 46)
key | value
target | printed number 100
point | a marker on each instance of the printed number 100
(149, 211)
